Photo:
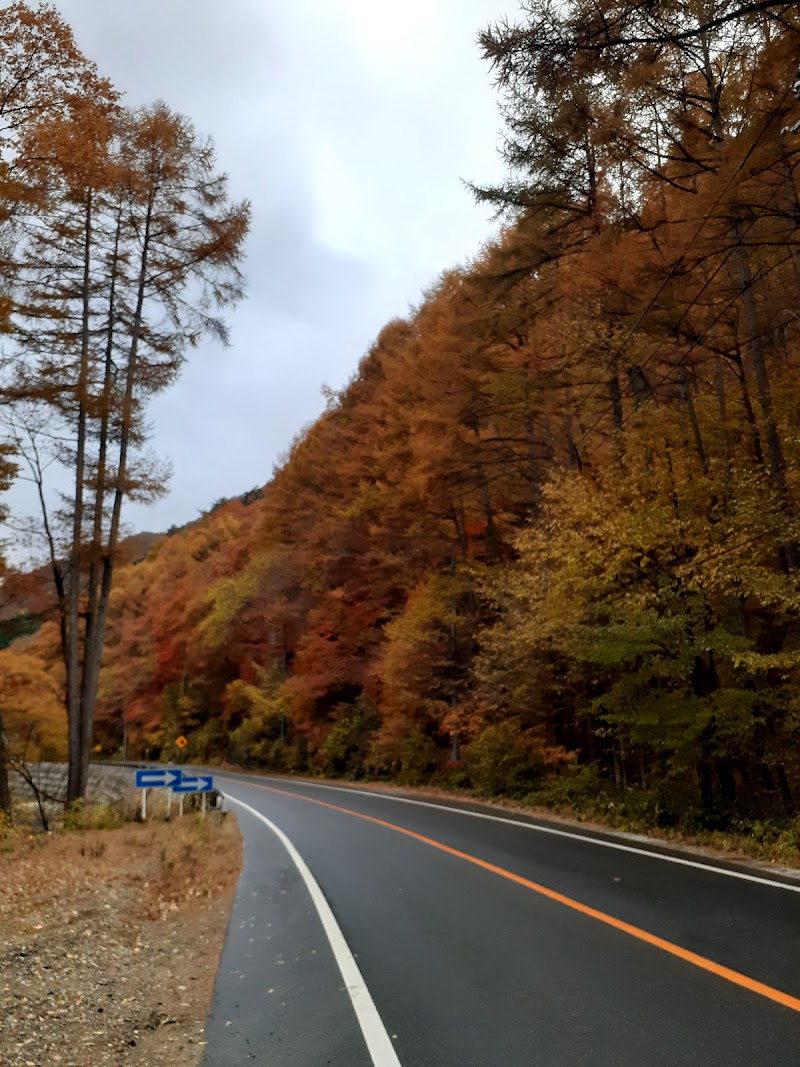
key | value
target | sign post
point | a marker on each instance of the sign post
(199, 783)
(175, 781)
(155, 779)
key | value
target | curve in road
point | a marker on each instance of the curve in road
(483, 944)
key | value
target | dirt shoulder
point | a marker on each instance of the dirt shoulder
(110, 940)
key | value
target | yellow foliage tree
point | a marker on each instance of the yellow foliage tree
(32, 709)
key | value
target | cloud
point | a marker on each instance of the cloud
(350, 125)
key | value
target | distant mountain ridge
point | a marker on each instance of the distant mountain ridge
(31, 592)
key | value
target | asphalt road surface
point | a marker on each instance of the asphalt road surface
(371, 930)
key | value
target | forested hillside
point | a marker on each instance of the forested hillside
(547, 540)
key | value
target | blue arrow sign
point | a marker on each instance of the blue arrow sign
(201, 783)
(166, 779)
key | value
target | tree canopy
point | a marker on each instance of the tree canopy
(547, 540)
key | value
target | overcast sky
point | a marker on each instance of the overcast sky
(350, 125)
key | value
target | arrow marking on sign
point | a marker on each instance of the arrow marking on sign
(201, 783)
(165, 779)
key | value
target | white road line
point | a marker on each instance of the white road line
(600, 842)
(378, 1042)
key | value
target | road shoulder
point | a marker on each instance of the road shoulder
(111, 940)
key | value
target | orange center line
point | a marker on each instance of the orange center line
(726, 973)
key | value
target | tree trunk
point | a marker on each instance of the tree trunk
(574, 461)
(617, 768)
(706, 781)
(457, 518)
(78, 752)
(491, 539)
(93, 646)
(785, 788)
(686, 397)
(100, 489)
(750, 414)
(776, 463)
(99, 580)
(727, 783)
(722, 410)
(5, 792)
(615, 393)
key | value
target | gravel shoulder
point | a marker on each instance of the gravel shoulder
(110, 940)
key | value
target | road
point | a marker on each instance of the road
(468, 941)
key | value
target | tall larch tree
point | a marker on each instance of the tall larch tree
(121, 272)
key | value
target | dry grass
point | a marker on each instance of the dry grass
(110, 941)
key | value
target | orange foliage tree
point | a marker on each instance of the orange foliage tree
(125, 252)
(547, 536)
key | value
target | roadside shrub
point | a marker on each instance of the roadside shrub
(788, 842)
(293, 754)
(583, 789)
(83, 816)
(344, 751)
(504, 759)
(402, 752)
(209, 742)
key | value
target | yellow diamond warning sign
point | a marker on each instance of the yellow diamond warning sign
(181, 742)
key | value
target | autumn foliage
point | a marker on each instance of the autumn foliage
(119, 248)
(547, 539)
